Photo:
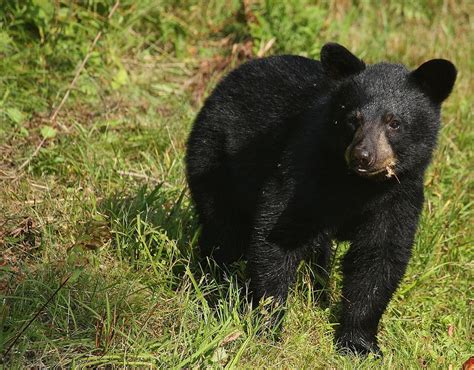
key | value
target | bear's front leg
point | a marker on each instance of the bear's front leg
(272, 271)
(373, 268)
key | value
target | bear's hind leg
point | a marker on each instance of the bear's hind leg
(224, 234)
(223, 239)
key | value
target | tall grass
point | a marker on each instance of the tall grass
(104, 203)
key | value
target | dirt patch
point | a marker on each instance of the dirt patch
(19, 239)
(214, 68)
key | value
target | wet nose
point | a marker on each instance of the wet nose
(362, 157)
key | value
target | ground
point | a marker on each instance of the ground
(97, 232)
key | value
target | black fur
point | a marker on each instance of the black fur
(266, 170)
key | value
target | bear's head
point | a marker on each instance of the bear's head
(384, 117)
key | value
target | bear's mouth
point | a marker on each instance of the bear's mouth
(387, 169)
(369, 173)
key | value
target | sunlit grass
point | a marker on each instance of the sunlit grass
(104, 201)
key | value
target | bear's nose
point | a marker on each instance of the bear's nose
(362, 157)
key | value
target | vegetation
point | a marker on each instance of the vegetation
(97, 233)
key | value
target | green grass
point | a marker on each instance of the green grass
(104, 202)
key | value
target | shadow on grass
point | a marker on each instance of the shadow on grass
(158, 229)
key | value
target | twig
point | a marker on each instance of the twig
(137, 175)
(82, 65)
(36, 315)
(25, 163)
(71, 86)
(6, 175)
(39, 186)
(38, 201)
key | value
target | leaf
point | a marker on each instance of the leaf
(15, 115)
(5, 41)
(231, 337)
(120, 79)
(219, 355)
(48, 132)
(75, 274)
(24, 132)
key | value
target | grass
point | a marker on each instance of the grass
(104, 202)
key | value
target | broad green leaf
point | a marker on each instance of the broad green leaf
(120, 79)
(48, 132)
(15, 115)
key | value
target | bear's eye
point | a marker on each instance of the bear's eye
(392, 122)
(355, 120)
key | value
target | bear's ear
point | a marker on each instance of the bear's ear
(436, 78)
(340, 62)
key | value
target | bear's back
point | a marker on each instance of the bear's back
(260, 96)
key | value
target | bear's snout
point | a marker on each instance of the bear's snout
(370, 153)
(362, 158)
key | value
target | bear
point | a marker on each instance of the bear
(289, 154)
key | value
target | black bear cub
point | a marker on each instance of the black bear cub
(290, 153)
